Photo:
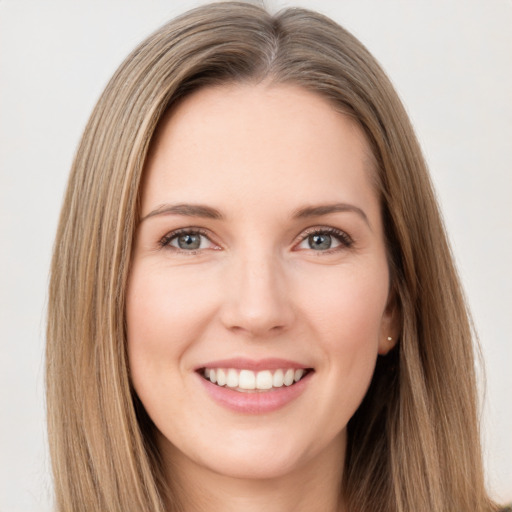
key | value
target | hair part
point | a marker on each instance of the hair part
(414, 441)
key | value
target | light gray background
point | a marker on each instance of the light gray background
(451, 63)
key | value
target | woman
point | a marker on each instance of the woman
(245, 307)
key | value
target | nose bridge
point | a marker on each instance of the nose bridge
(259, 302)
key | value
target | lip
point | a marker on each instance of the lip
(241, 363)
(254, 402)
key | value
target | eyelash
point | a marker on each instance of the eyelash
(164, 242)
(343, 238)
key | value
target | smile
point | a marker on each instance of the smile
(249, 386)
(248, 381)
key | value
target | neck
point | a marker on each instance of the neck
(314, 485)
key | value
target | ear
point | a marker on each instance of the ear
(390, 325)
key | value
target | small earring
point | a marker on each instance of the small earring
(390, 338)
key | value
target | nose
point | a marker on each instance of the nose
(258, 300)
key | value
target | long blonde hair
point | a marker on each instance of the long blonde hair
(414, 442)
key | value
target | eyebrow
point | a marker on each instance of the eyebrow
(318, 211)
(207, 212)
(187, 210)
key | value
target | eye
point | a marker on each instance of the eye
(186, 240)
(324, 239)
(320, 241)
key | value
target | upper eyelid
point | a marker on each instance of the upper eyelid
(192, 229)
(322, 229)
(317, 229)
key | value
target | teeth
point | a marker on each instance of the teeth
(232, 378)
(278, 379)
(221, 377)
(247, 380)
(263, 380)
(288, 377)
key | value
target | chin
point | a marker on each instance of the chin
(259, 467)
(247, 455)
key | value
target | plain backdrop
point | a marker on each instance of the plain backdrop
(451, 64)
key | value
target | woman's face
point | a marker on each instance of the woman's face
(260, 265)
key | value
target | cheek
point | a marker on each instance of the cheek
(165, 313)
(346, 311)
(341, 317)
(347, 304)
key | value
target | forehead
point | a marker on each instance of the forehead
(241, 142)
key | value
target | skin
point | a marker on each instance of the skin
(256, 288)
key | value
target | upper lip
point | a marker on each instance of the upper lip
(242, 363)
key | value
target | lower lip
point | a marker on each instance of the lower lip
(255, 402)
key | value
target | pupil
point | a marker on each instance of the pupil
(319, 242)
(189, 241)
